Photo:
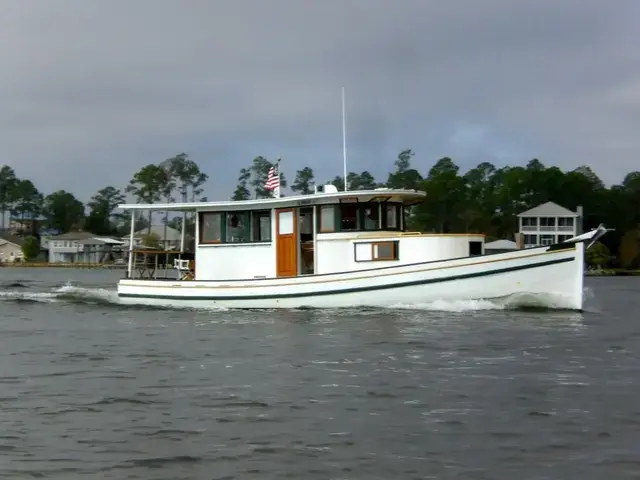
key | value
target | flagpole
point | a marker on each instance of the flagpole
(344, 141)
(276, 191)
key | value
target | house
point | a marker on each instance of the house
(82, 247)
(500, 246)
(549, 223)
(29, 225)
(99, 250)
(10, 249)
(171, 242)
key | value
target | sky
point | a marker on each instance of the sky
(91, 91)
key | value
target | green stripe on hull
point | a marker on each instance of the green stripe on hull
(372, 288)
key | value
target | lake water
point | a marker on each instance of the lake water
(94, 390)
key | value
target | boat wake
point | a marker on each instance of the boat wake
(68, 293)
(17, 292)
(519, 302)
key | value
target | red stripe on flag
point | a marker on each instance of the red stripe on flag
(273, 179)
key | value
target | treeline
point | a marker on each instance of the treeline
(177, 177)
(487, 199)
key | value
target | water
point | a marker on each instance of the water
(92, 389)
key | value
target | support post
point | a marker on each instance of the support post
(133, 227)
(315, 220)
(182, 234)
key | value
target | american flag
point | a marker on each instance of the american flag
(273, 178)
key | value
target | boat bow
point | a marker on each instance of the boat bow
(590, 237)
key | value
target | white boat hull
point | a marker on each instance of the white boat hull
(554, 272)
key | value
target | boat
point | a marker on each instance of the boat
(332, 249)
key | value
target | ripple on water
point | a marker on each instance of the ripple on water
(93, 389)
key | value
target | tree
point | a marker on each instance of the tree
(259, 173)
(185, 176)
(26, 200)
(8, 182)
(101, 210)
(445, 198)
(170, 183)
(151, 240)
(356, 181)
(338, 182)
(629, 252)
(148, 186)
(63, 211)
(242, 190)
(303, 182)
(361, 181)
(598, 256)
(30, 248)
(404, 176)
(141, 223)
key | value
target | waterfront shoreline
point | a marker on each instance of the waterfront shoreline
(80, 266)
(613, 272)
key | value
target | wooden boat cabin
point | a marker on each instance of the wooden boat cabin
(321, 233)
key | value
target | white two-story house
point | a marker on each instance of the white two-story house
(549, 223)
(82, 247)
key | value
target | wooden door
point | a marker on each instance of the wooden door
(286, 242)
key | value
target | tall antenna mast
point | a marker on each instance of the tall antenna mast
(344, 141)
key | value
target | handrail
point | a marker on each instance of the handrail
(145, 263)
(159, 252)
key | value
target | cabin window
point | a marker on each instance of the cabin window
(353, 217)
(261, 227)
(375, 251)
(211, 227)
(349, 217)
(371, 214)
(392, 217)
(475, 248)
(385, 250)
(237, 227)
(327, 218)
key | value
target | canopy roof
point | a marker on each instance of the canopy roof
(407, 197)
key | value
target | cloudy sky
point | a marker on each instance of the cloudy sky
(93, 90)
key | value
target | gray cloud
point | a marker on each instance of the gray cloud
(91, 91)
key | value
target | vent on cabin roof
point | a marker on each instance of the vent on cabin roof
(328, 188)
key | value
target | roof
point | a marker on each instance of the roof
(501, 245)
(548, 209)
(172, 233)
(73, 236)
(404, 196)
(12, 239)
(100, 241)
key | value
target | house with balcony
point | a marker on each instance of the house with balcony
(83, 247)
(549, 223)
